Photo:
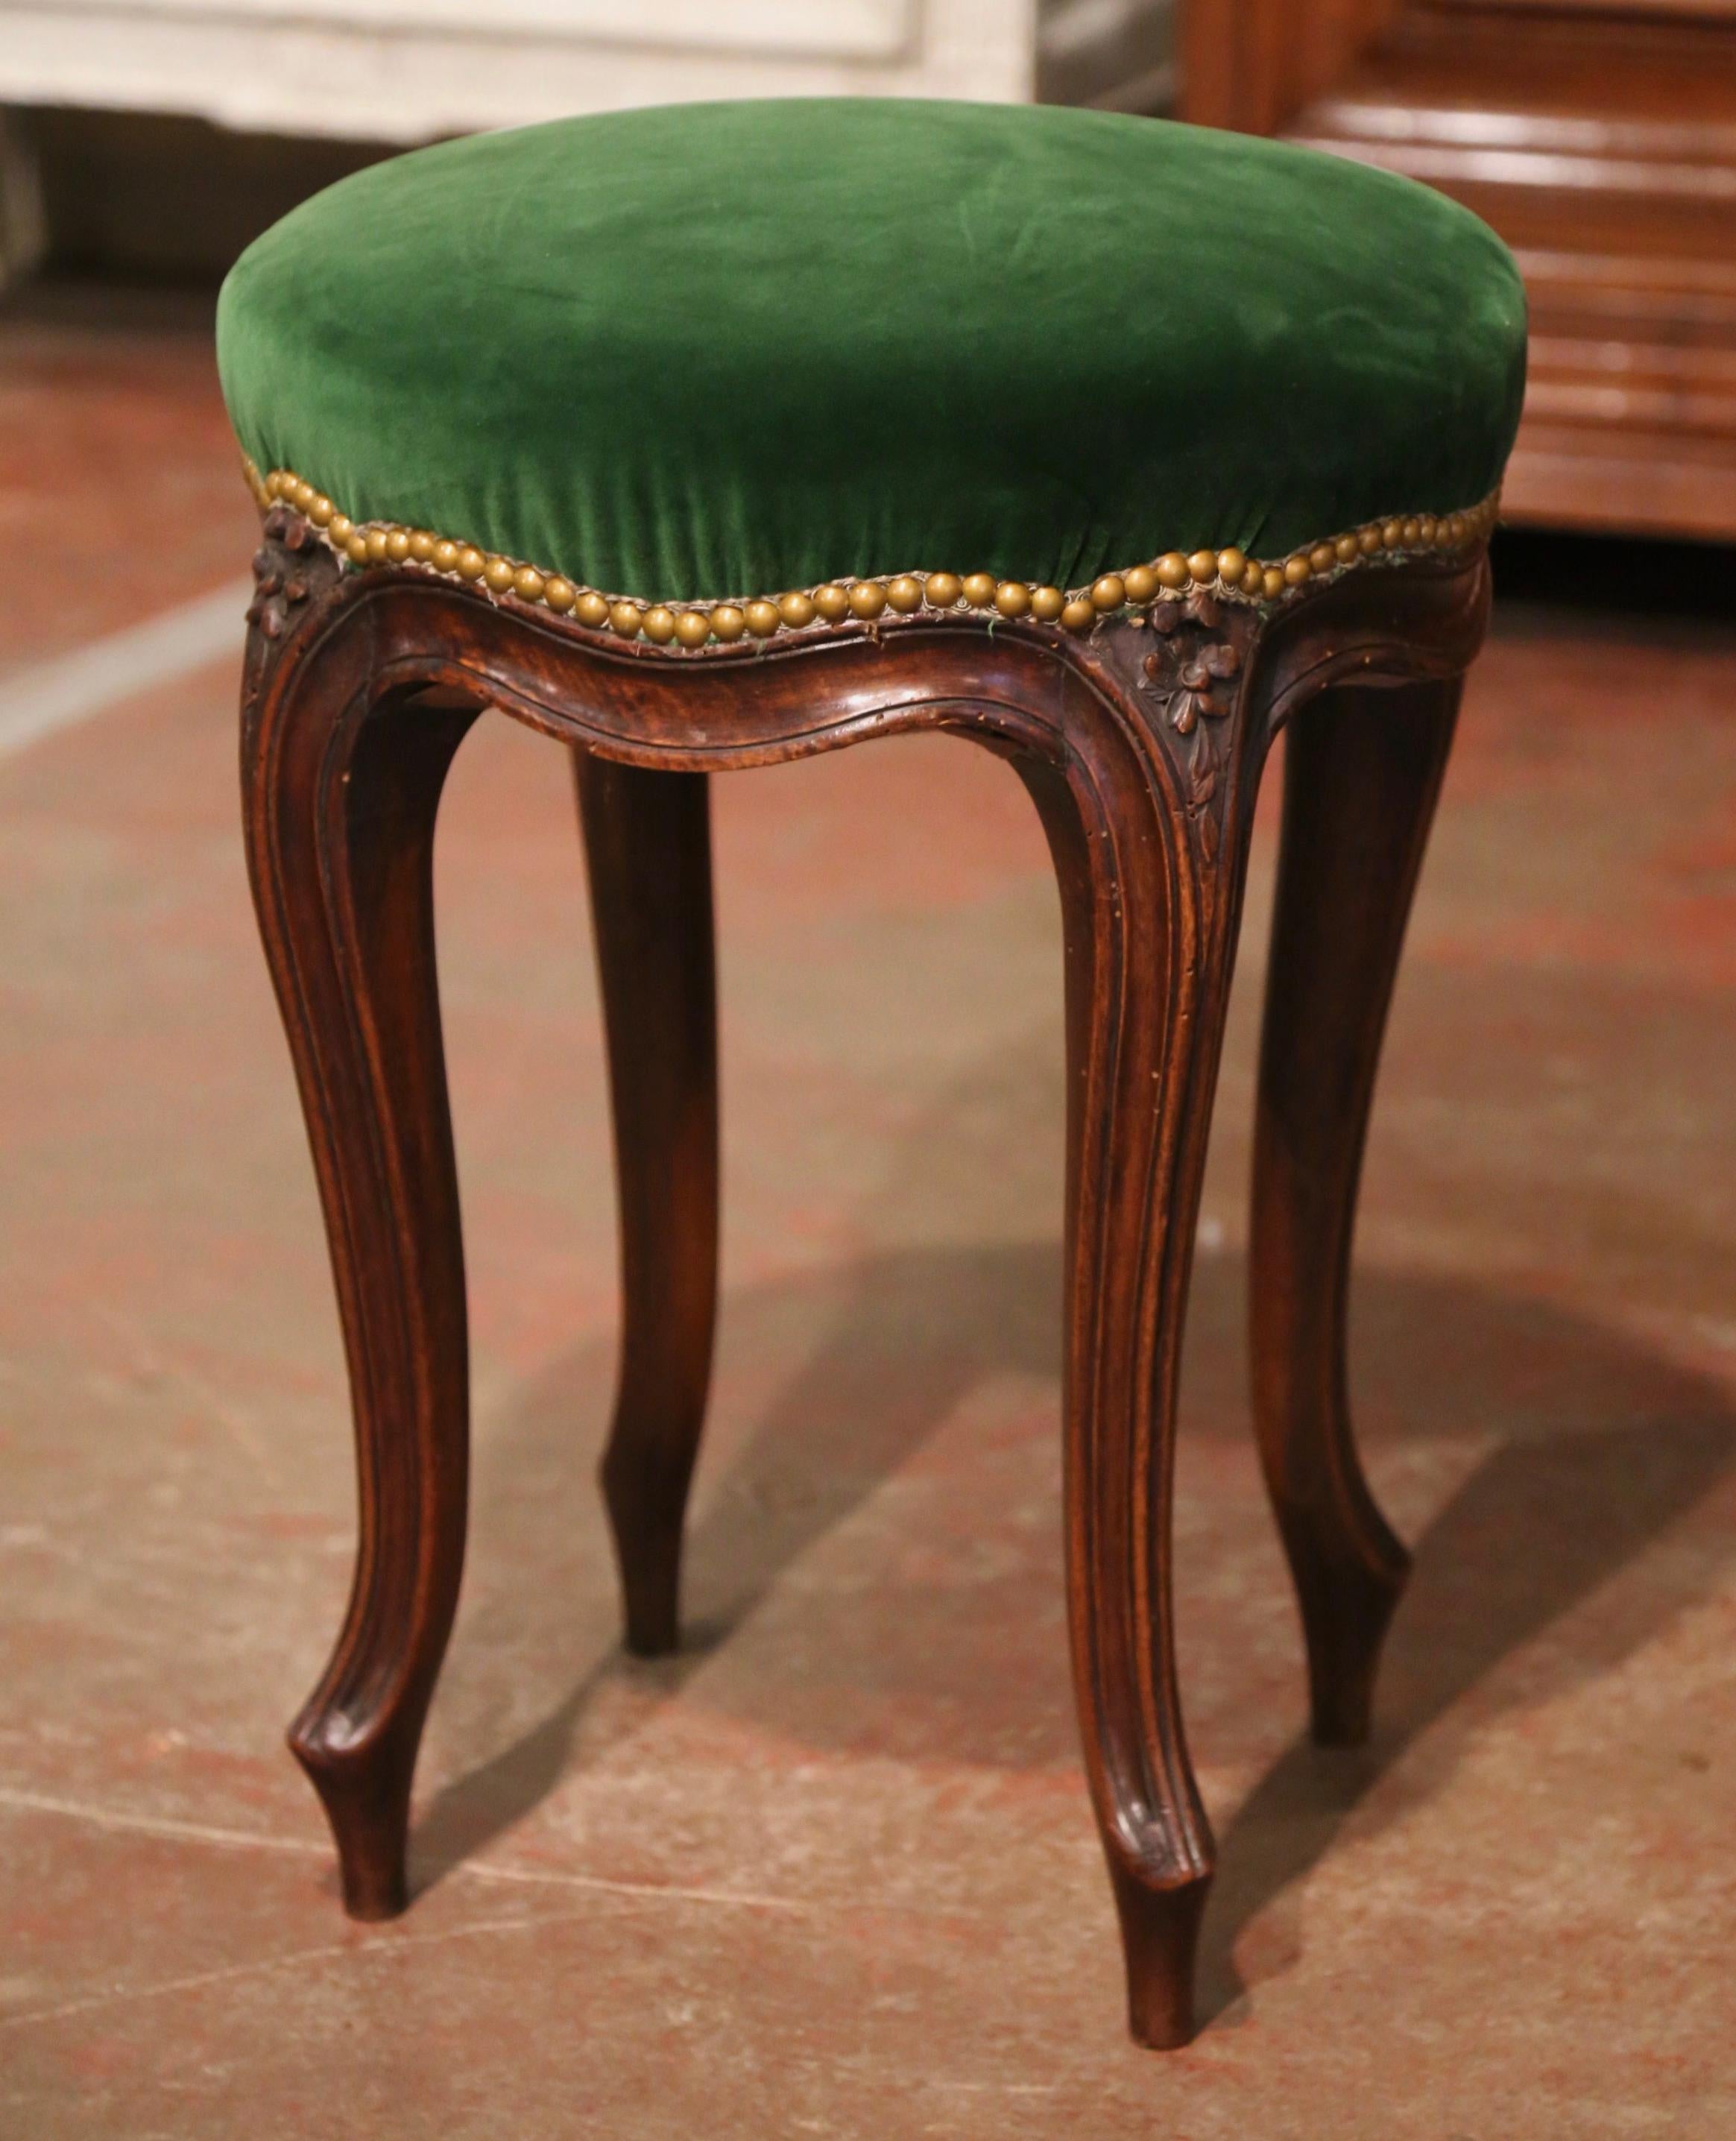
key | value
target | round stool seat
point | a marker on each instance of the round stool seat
(724, 352)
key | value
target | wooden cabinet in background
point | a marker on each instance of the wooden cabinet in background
(1598, 137)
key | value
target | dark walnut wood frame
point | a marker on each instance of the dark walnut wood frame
(1142, 746)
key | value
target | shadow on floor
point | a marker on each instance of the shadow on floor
(898, 1345)
(1598, 1450)
(1541, 1530)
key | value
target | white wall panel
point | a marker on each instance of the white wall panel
(856, 29)
(405, 70)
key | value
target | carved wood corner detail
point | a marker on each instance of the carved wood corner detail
(290, 567)
(1185, 667)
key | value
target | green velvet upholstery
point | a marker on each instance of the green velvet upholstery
(727, 349)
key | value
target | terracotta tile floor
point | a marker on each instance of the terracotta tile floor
(832, 1872)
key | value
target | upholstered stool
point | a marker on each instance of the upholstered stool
(701, 439)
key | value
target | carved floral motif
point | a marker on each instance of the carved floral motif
(1186, 668)
(1190, 672)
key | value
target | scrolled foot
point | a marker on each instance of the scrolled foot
(647, 1526)
(364, 1786)
(1159, 1941)
(1349, 1607)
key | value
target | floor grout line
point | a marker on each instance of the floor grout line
(167, 1828)
(164, 1826)
(263, 1965)
(52, 696)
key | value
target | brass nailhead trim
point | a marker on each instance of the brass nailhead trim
(689, 626)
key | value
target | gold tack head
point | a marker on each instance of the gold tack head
(1346, 549)
(421, 545)
(727, 622)
(340, 528)
(1202, 566)
(762, 618)
(499, 573)
(867, 598)
(396, 544)
(1392, 533)
(375, 540)
(1368, 541)
(559, 594)
(625, 619)
(1172, 569)
(471, 563)
(320, 509)
(1141, 584)
(942, 590)
(796, 610)
(590, 609)
(692, 627)
(528, 583)
(1411, 534)
(1108, 593)
(832, 602)
(904, 593)
(1273, 581)
(445, 556)
(1012, 598)
(659, 624)
(1296, 570)
(978, 589)
(1231, 564)
(1047, 604)
(1253, 576)
(357, 547)
(1080, 614)
(1322, 557)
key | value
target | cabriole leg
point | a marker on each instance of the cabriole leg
(648, 848)
(1363, 770)
(340, 795)
(1148, 846)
